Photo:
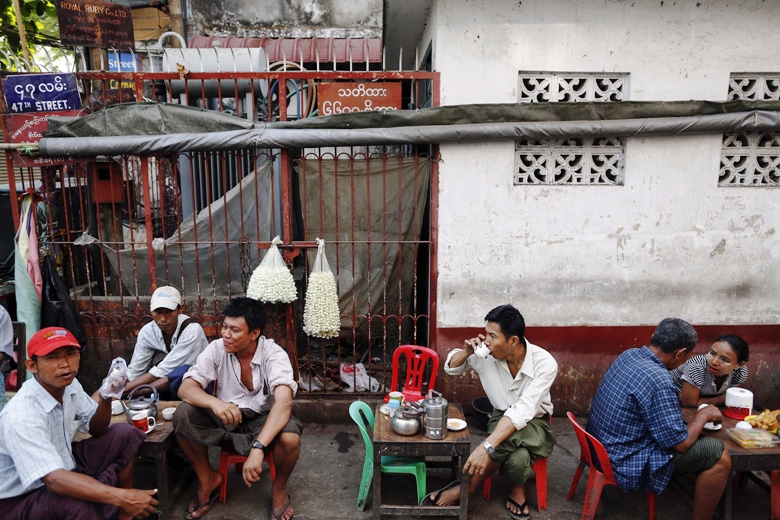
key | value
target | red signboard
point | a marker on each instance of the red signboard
(341, 98)
(28, 128)
(92, 23)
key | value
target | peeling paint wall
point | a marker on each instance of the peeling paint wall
(286, 18)
(669, 242)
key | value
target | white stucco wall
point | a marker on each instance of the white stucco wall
(669, 242)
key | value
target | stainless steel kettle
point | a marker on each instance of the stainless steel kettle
(406, 420)
(147, 405)
(435, 422)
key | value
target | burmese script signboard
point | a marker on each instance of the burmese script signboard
(344, 97)
(29, 128)
(41, 92)
(91, 23)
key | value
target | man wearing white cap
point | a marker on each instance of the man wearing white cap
(166, 346)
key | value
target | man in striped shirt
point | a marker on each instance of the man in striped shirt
(251, 411)
(45, 477)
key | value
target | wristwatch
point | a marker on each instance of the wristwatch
(260, 446)
(488, 447)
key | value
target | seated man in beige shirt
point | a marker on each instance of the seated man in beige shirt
(517, 376)
(251, 411)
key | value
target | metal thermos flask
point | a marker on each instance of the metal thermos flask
(435, 419)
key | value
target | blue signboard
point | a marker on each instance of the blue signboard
(41, 93)
(123, 62)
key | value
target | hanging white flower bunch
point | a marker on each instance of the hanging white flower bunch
(272, 281)
(321, 312)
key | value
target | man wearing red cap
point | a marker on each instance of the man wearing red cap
(42, 475)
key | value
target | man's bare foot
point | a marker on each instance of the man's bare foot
(281, 505)
(518, 496)
(205, 496)
(447, 496)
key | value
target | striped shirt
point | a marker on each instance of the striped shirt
(36, 433)
(184, 349)
(695, 372)
(270, 368)
(636, 415)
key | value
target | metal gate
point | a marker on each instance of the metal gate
(202, 221)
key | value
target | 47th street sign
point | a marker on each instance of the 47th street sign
(41, 93)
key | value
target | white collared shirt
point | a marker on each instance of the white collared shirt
(185, 348)
(6, 333)
(270, 368)
(523, 397)
(36, 433)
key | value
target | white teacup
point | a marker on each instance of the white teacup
(168, 414)
(482, 351)
(709, 425)
(116, 407)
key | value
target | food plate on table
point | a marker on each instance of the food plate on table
(455, 425)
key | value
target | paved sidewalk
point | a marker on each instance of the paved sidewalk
(326, 480)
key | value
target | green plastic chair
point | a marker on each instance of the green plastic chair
(409, 465)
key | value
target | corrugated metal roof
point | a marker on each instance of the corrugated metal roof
(307, 50)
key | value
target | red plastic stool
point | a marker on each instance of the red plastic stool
(230, 457)
(540, 469)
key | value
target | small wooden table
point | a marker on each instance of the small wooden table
(743, 460)
(456, 445)
(157, 445)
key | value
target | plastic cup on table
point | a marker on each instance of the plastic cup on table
(396, 398)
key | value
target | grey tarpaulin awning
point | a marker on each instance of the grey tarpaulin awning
(148, 128)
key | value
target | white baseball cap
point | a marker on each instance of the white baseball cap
(165, 297)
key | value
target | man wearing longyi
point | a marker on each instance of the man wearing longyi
(637, 417)
(252, 408)
(516, 376)
(42, 475)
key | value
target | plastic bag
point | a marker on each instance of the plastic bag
(272, 281)
(114, 384)
(57, 309)
(321, 312)
(357, 379)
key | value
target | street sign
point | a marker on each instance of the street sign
(123, 62)
(41, 92)
(344, 97)
(95, 24)
(29, 128)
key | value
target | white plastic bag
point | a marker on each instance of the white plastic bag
(114, 384)
(357, 379)
(272, 281)
(321, 312)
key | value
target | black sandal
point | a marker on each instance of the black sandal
(520, 507)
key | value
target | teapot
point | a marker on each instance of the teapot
(406, 420)
(141, 404)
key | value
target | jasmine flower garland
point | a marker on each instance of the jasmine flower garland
(272, 281)
(321, 311)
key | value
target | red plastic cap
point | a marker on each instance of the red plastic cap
(50, 339)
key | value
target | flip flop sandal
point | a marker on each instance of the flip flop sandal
(432, 498)
(520, 507)
(207, 505)
(278, 516)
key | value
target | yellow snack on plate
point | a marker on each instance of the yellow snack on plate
(766, 420)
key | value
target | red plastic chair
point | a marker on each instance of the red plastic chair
(596, 479)
(416, 360)
(229, 457)
(540, 470)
